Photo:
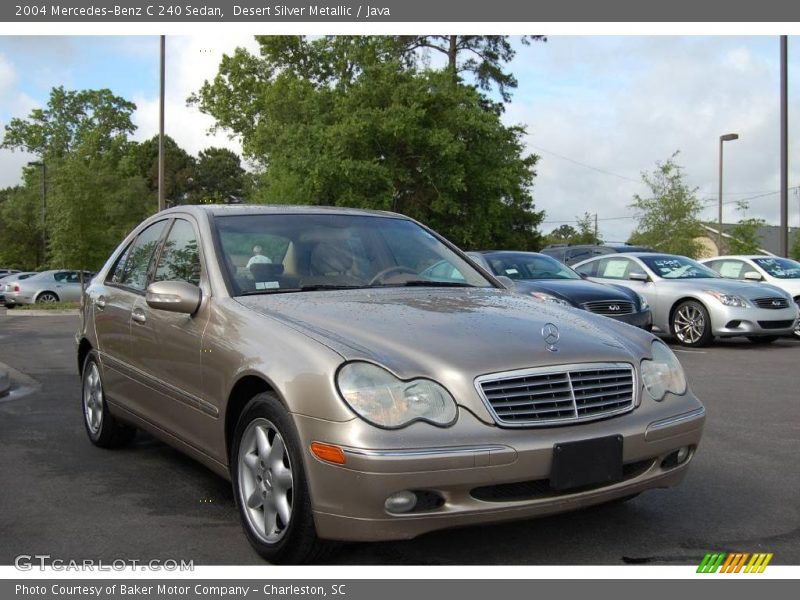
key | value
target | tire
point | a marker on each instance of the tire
(690, 324)
(102, 428)
(796, 331)
(762, 339)
(270, 487)
(47, 298)
(10, 306)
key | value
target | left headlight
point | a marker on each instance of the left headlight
(384, 400)
(663, 373)
(643, 305)
(549, 298)
(729, 299)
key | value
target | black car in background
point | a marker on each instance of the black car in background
(548, 280)
(572, 254)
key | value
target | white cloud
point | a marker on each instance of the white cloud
(622, 104)
(189, 62)
(13, 102)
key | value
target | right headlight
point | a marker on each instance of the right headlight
(382, 399)
(663, 373)
(729, 299)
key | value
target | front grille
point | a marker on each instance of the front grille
(558, 395)
(773, 303)
(610, 308)
(540, 488)
(775, 324)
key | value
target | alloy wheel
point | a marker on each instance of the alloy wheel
(93, 399)
(46, 298)
(265, 480)
(690, 324)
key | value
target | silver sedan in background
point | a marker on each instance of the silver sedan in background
(58, 285)
(692, 303)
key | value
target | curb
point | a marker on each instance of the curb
(42, 313)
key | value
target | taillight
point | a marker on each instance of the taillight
(16, 287)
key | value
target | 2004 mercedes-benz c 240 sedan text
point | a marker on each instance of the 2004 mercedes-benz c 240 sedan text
(302, 353)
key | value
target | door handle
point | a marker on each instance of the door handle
(138, 316)
(100, 303)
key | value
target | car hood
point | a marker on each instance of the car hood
(746, 289)
(451, 335)
(576, 291)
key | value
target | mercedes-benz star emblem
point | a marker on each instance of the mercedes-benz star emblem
(551, 336)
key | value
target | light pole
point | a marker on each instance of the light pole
(728, 137)
(40, 163)
(161, 200)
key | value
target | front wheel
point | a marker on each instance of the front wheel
(797, 327)
(691, 325)
(101, 427)
(269, 485)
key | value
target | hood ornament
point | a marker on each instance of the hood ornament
(551, 336)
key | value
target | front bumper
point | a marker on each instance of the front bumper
(462, 465)
(727, 321)
(642, 319)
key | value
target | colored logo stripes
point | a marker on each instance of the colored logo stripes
(734, 562)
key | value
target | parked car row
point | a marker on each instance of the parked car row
(364, 380)
(44, 287)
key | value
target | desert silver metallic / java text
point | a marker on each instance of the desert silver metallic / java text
(265, 480)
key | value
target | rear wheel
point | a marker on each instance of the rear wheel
(691, 325)
(101, 427)
(46, 298)
(797, 327)
(269, 485)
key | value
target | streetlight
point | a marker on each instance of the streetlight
(728, 137)
(40, 163)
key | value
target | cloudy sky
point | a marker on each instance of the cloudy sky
(598, 110)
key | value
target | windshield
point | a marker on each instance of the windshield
(273, 253)
(677, 267)
(781, 268)
(529, 266)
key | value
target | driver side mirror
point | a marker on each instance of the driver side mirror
(638, 276)
(507, 282)
(174, 296)
(753, 276)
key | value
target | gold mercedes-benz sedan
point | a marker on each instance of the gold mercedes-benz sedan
(351, 388)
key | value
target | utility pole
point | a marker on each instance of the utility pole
(784, 231)
(596, 236)
(161, 201)
(728, 137)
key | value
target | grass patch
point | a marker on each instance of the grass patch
(50, 306)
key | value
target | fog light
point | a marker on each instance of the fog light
(401, 502)
(678, 457)
(683, 454)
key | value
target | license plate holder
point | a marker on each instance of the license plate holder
(587, 462)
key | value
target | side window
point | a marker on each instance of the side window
(730, 269)
(140, 255)
(589, 269)
(613, 268)
(180, 258)
(61, 276)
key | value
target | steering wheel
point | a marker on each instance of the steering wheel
(396, 269)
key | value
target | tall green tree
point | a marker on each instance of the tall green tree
(20, 224)
(668, 217)
(745, 238)
(354, 122)
(219, 176)
(179, 168)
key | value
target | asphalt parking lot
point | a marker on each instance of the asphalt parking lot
(63, 497)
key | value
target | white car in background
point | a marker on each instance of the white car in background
(58, 285)
(783, 273)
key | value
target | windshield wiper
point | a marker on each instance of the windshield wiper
(304, 288)
(426, 283)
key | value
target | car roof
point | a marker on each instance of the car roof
(745, 256)
(508, 252)
(275, 209)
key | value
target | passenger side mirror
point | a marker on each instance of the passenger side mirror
(507, 282)
(638, 276)
(753, 276)
(174, 296)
